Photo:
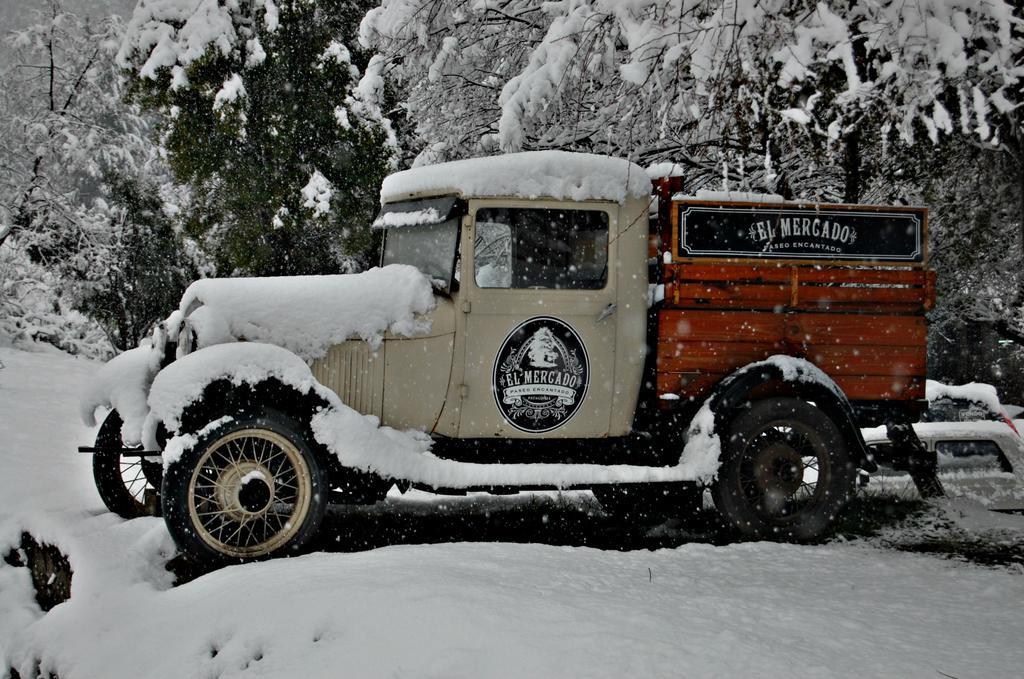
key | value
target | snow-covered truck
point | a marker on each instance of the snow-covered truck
(541, 320)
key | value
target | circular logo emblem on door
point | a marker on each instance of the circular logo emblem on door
(540, 375)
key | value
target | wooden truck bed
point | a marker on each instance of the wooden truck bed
(856, 311)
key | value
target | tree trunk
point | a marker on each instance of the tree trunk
(852, 168)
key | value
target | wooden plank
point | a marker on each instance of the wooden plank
(820, 275)
(687, 386)
(780, 295)
(877, 360)
(873, 388)
(686, 292)
(770, 327)
(783, 274)
(724, 326)
(813, 294)
(724, 357)
(683, 348)
(857, 388)
(763, 307)
(856, 329)
(729, 359)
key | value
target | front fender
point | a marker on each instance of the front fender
(238, 367)
(792, 376)
(122, 384)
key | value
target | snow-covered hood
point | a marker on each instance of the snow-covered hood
(305, 315)
(309, 314)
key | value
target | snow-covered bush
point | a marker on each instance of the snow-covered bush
(32, 312)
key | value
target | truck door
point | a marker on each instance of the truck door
(540, 319)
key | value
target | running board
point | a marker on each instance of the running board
(123, 452)
(513, 490)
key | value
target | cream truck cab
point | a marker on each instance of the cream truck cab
(540, 327)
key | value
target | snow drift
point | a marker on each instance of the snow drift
(464, 609)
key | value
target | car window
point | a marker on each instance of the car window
(541, 248)
(971, 454)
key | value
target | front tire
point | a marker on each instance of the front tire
(249, 489)
(128, 486)
(786, 472)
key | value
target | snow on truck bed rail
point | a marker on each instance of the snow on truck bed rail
(560, 175)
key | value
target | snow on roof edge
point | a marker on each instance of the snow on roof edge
(559, 175)
(734, 196)
(978, 392)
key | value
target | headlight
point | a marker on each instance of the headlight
(187, 338)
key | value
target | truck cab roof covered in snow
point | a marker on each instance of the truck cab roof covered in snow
(558, 175)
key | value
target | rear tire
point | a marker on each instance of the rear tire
(786, 472)
(249, 489)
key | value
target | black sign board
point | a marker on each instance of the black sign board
(541, 373)
(794, 232)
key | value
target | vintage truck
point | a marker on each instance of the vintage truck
(539, 320)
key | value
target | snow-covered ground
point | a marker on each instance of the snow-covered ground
(467, 609)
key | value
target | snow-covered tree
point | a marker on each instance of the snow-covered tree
(63, 124)
(272, 120)
(64, 128)
(652, 80)
(138, 273)
(69, 145)
(32, 309)
(759, 90)
(855, 100)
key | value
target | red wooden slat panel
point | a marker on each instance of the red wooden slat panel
(760, 326)
(726, 357)
(856, 388)
(782, 294)
(805, 274)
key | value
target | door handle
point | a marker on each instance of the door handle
(607, 311)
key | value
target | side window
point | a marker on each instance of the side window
(492, 252)
(539, 248)
(971, 454)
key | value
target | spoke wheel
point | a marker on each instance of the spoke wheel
(127, 485)
(786, 471)
(249, 493)
(250, 489)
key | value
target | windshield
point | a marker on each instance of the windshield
(431, 249)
